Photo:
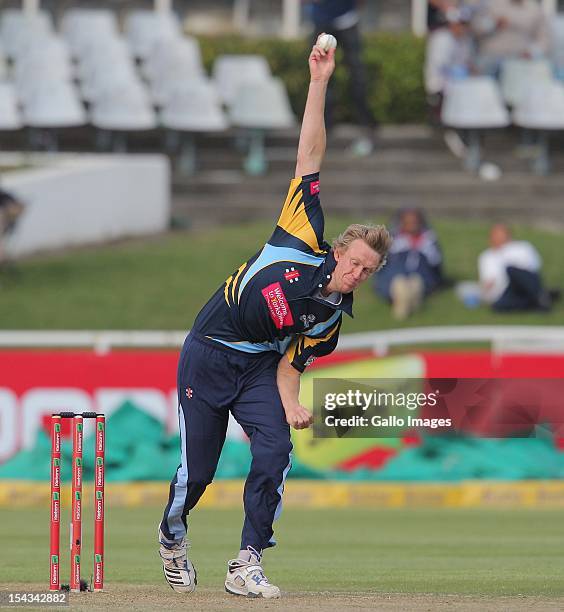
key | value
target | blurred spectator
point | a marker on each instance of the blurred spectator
(449, 56)
(341, 19)
(507, 29)
(414, 266)
(10, 211)
(436, 13)
(510, 276)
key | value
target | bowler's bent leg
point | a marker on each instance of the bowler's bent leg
(203, 425)
(260, 412)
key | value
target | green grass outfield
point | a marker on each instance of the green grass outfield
(162, 282)
(466, 552)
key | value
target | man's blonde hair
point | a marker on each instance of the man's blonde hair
(376, 237)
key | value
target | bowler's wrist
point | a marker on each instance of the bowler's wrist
(319, 81)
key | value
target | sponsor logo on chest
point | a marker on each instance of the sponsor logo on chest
(278, 307)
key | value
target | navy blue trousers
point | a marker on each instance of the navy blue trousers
(214, 380)
(524, 291)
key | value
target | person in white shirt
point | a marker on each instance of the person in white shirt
(448, 56)
(510, 274)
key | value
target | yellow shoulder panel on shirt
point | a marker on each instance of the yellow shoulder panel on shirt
(294, 220)
(234, 285)
(226, 290)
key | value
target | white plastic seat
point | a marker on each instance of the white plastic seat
(83, 27)
(3, 66)
(166, 82)
(517, 74)
(18, 28)
(53, 59)
(54, 105)
(46, 47)
(122, 110)
(96, 56)
(28, 86)
(9, 113)
(262, 105)
(230, 70)
(194, 107)
(474, 103)
(557, 40)
(170, 55)
(542, 107)
(143, 29)
(107, 77)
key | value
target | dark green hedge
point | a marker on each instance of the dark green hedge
(394, 64)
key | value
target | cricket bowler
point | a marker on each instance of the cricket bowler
(248, 347)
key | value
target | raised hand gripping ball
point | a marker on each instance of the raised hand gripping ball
(326, 42)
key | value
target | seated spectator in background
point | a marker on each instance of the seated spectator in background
(448, 57)
(414, 266)
(341, 18)
(506, 29)
(10, 211)
(509, 274)
(436, 13)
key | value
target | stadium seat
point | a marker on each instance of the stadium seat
(105, 77)
(557, 44)
(185, 51)
(99, 55)
(230, 70)
(474, 104)
(259, 106)
(517, 74)
(45, 47)
(123, 109)
(143, 29)
(18, 29)
(53, 105)
(542, 109)
(262, 105)
(163, 85)
(194, 106)
(171, 63)
(3, 66)
(84, 27)
(49, 56)
(9, 114)
(28, 85)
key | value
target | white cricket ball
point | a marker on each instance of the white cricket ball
(490, 172)
(326, 42)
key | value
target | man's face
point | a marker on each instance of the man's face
(499, 235)
(354, 265)
(410, 222)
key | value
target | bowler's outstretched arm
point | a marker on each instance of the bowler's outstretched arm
(313, 140)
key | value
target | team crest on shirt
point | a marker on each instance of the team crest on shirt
(189, 392)
(292, 275)
(307, 320)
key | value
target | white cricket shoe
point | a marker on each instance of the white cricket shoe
(247, 578)
(178, 569)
